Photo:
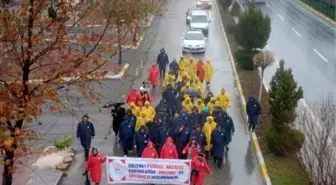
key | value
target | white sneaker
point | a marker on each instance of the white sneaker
(125, 155)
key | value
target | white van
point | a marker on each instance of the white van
(199, 20)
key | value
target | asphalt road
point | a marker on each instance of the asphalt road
(306, 43)
(240, 166)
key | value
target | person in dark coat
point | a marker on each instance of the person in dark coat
(174, 123)
(218, 141)
(173, 66)
(152, 127)
(181, 140)
(126, 135)
(229, 129)
(193, 119)
(200, 137)
(208, 97)
(253, 110)
(162, 62)
(219, 114)
(85, 132)
(141, 139)
(131, 117)
(161, 135)
(203, 116)
(118, 114)
(170, 97)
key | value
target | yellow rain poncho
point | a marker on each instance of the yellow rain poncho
(197, 84)
(141, 120)
(211, 105)
(199, 105)
(169, 79)
(182, 64)
(135, 109)
(188, 105)
(208, 127)
(148, 110)
(192, 69)
(208, 71)
(224, 100)
(183, 73)
(187, 86)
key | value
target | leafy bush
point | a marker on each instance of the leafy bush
(52, 12)
(283, 143)
(245, 59)
(65, 143)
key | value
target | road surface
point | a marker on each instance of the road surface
(306, 43)
(240, 166)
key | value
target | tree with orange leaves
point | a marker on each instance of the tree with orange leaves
(35, 53)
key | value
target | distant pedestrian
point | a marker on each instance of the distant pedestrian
(150, 151)
(93, 166)
(218, 141)
(162, 61)
(153, 75)
(174, 66)
(85, 132)
(126, 135)
(134, 96)
(253, 111)
(118, 114)
(208, 72)
(199, 167)
(200, 70)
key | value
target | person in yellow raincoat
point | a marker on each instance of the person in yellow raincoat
(169, 79)
(208, 72)
(211, 105)
(182, 64)
(199, 105)
(224, 99)
(208, 127)
(187, 104)
(141, 120)
(182, 74)
(148, 110)
(135, 109)
(197, 84)
(186, 87)
(192, 69)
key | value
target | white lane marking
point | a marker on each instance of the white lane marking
(268, 5)
(297, 33)
(319, 54)
(280, 17)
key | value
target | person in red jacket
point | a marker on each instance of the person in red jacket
(150, 151)
(93, 166)
(200, 70)
(192, 149)
(153, 75)
(168, 150)
(134, 97)
(199, 166)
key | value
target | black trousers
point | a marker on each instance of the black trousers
(218, 161)
(86, 153)
(162, 72)
(125, 151)
(252, 126)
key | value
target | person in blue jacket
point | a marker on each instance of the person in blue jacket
(170, 96)
(199, 135)
(130, 116)
(161, 135)
(126, 135)
(141, 139)
(85, 132)
(218, 141)
(174, 123)
(253, 110)
(229, 129)
(173, 66)
(181, 140)
(162, 61)
(218, 114)
(193, 118)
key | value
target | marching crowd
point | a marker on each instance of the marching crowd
(186, 124)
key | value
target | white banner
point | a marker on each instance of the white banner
(145, 170)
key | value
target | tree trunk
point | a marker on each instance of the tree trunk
(119, 45)
(261, 85)
(7, 176)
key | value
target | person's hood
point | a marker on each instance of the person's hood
(197, 126)
(181, 58)
(200, 61)
(251, 98)
(199, 101)
(191, 60)
(132, 104)
(210, 118)
(162, 50)
(205, 109)
(187, 99)
(147, 103)
(143, 127)
(210, 94)
(174, 60)
(169, 139)
(150, 144)
(153, 65)
(212, 99)
(208, 61)
(133, 90)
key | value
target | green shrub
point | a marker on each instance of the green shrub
(286, 142)
(65, 143)
(245, 59)
(52, 12)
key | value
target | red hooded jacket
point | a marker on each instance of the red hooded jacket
(168, 152)
(153, 75)
(200, 70)
(93, 165)
(150, 151)
(134, 97)
(194, 151)
(202, 167)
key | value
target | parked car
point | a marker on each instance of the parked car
(199, 20)
(203, 3)
(193, 41)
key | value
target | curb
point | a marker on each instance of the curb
(316, 13)
(253, 137)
